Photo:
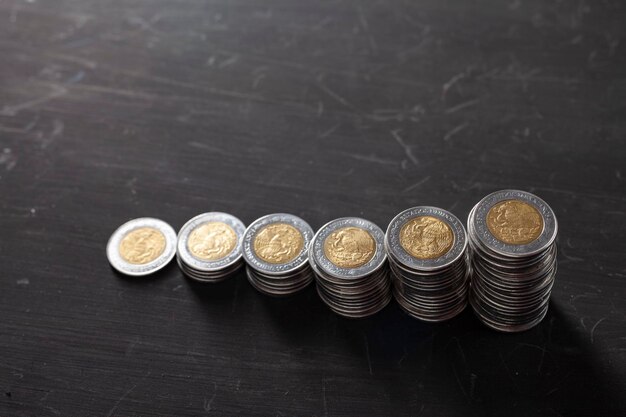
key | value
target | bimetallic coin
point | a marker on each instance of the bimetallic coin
(427, 253)
(425, 238)
(141, 246)
(514, 223)
(349, 261)
(348, 247)
(277, 243)
(512, 238)
(275, 247)
(212, 241)
(209, 246)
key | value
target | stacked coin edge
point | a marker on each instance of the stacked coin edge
(509, 289)
(199, 264)
(430, 284)
(512, 283)
(284, 275)
(352, 291)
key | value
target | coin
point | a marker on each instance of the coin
(512, 239)
(349, 247)
(426, 237)
(141, 246)
(209, 247)
(512, 215)
(212, 241)
(427, 254)
(351, 252)
(275, 248)
(349, 261)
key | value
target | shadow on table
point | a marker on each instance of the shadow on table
(295, 318)
(548, 370)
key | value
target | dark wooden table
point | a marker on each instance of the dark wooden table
(121, 109)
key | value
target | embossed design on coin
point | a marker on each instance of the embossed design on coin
(349, 247)
(514, 222)
(278, 243)
(142, 245)
(212, 241)
(426, 237)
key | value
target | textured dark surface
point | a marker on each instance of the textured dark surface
(111, 110)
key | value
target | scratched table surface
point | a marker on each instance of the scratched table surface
(122, 109)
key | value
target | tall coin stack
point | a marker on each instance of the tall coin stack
(427, 254)
(209, 246)
(348, 258)
(275, 247)
(513, 243)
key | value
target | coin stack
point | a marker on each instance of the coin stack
(209, 246)
(275, 247)
(513, 243)
(141, 246)
(427, 253)
(349, 261)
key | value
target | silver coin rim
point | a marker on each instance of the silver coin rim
(203, 265)
(504, 327)
(375, 309)
(398, 253)
(120, 265)
(316, 251)
(276, 269)
(478, 220)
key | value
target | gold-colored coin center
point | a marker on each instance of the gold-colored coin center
(514, 222)
(142, 245)
(278, 243)
(349, 247)
(426, 237)
(212, 241)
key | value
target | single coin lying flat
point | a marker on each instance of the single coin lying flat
(141, 246)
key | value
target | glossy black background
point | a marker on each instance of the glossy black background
(111, 110)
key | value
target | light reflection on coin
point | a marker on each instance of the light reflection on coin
(426, 249)
(495, 222)
(513, 244)
(278, 243)
(212, 241)
(209, 246)
(349, 247)
(275, 247)
(349, 261)
(426, 237)
(141, 246)
(514, 222)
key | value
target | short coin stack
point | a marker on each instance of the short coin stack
(209, 246)
(349, 261)
(275, 247)
(513, 242)
(427, 254)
